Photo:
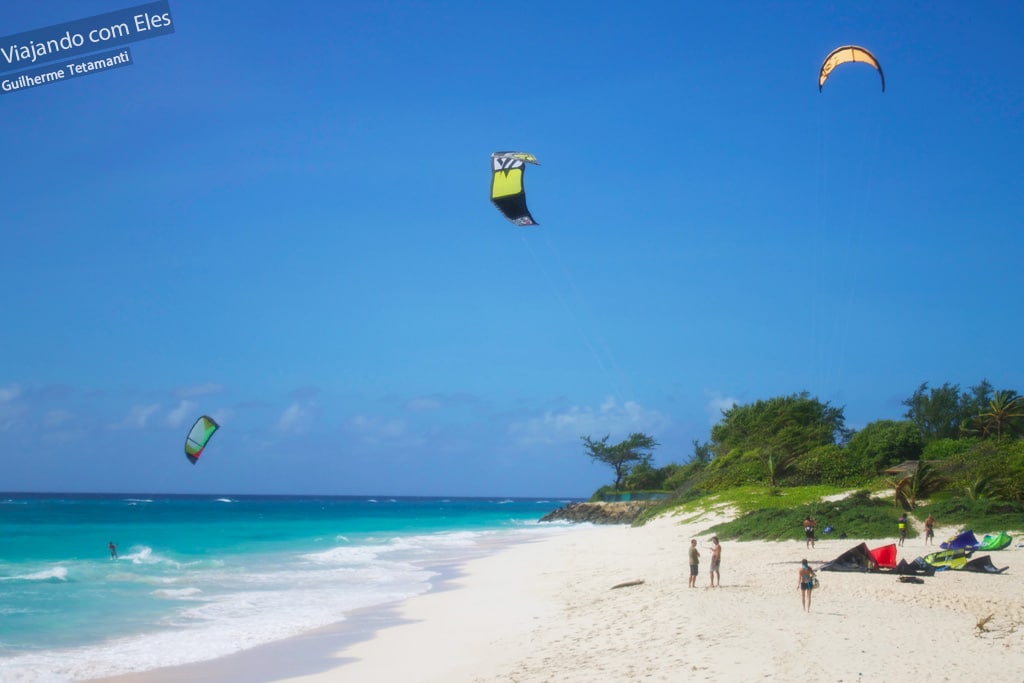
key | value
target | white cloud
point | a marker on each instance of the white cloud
(576, 421)
(418, 405)
(137, 417)
(10, 410)
(180, 414)
(197, 390)
(376, 429)
(716, 404)
(9, 393)
(57, 418)
(296, 418)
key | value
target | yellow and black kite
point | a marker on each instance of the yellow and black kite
(507, 191)
(844, 54)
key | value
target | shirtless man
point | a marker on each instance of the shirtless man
(716, 561)
(809, 525)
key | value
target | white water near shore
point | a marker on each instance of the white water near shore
(545, 611)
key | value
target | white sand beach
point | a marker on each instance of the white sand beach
(545, 611)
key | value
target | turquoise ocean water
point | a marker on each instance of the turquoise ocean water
(201, 577)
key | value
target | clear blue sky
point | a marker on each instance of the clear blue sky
(278, 216)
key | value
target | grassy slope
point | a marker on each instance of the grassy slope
(777, 514)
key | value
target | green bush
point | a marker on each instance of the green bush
(981, 516)
(829, 465)
(858, 516)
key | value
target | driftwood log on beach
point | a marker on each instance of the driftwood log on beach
(599, 513)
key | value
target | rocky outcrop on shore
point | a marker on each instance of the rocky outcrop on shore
(599, 513)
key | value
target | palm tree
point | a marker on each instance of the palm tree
(1004, 414)
(901, 492)
(913, 487)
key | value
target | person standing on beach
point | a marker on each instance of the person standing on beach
(902, 524)
(929, 529)
(805, 582)
(694, 563)
(809, 525)
(716, 561)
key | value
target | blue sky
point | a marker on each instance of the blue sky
(278, 216)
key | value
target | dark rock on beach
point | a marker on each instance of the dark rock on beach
(599, 513)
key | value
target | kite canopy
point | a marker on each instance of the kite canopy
(844, 54)
(958, 559)
(860, 559)
(507, 190)
(995, 541)
(948, 559)
(856, 559)
(965, 539)
(885, 557)
(983, 565)
(198, 436)
(917, 567)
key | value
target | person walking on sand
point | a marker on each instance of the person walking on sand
(694, 563)
(716, 561)
(805, 582)
(902, 524)
(809, 525)
(929, 529)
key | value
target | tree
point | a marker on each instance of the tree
(912, 488)
(786, 424)
(1003, 415)
(936, 412)
(702, 453)
(945, 413)
(884, 443)
(776, 432)
(621, 456)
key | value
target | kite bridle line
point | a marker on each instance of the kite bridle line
(855, 173)
(606, 361)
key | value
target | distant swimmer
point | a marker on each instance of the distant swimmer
(113, 550)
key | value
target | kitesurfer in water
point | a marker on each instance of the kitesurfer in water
(113, 550)
(805, 582)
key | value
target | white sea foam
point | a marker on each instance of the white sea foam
(358, 554)
(217, 605)
(225, 500)
(212, 625)
(58, 573)
(145, 555)
(177, 593)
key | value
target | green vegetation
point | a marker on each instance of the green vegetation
(983, 516)
(633, 452)
(858, 516)
(961, 453)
